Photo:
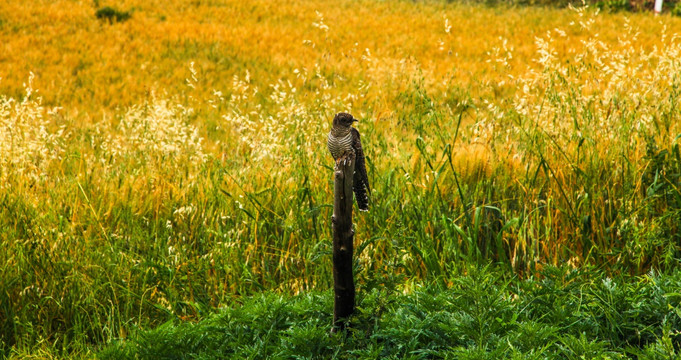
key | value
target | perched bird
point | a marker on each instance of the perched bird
(343, 138)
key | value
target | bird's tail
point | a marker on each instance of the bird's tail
(360, 180)
(362, 196)
(360, 185)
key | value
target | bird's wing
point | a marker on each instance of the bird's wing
(361, 179)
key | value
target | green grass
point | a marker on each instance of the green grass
(98, 251)
(562, 314)
(185, 203)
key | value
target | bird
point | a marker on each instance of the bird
(342, 139)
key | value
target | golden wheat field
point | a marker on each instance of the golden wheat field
(172, 162)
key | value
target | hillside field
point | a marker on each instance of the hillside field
(169, 161)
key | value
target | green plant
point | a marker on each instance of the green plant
(614, 5)
(126, 209)
(482, 315)
(676, 10)
(112, 15)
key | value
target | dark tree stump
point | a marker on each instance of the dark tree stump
(343, 235)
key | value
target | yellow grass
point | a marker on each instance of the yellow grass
(127, 107)
(89, 67)
(178, 158)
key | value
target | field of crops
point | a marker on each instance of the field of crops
(171, 162)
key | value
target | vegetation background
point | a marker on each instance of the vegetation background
(161, 160)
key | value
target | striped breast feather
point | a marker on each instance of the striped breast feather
(339, 145)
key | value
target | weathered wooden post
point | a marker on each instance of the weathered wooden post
(343, 236)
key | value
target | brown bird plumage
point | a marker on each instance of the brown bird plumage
(343, 138)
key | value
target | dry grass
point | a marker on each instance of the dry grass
(165, 165)
(87, 65)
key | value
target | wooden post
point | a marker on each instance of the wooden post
(343, 282)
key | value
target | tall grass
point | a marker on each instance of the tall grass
(168, 204)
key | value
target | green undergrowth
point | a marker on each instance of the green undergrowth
(562, 314)
(174, 206)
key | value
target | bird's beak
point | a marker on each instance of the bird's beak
(353, 119)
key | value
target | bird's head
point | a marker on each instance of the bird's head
(343, 119)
